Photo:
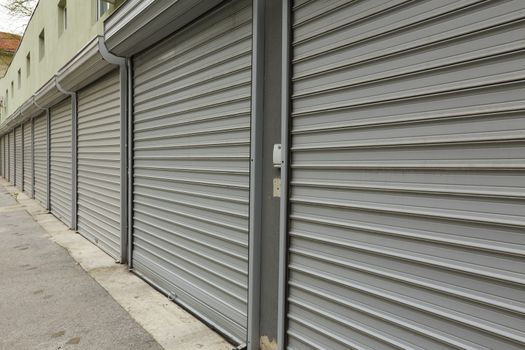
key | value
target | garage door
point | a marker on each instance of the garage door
(12, 157)
(191, 166)
(99, 163)
(61, 138)
(407, 187)
(41, 159)
(28, 158)
(2, 157)
(19, 158)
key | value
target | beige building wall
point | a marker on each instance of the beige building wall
(38, 59)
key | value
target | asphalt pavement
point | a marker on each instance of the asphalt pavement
(47, 301)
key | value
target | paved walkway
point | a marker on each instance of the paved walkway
(47, 301)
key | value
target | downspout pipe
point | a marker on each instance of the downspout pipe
(125, 93)
(74, 151)
(256, 180)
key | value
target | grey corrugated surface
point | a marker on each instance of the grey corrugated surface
(191, 166)
(41, 159)
(3, 145)
(61, 138)
(407, 193)
(28, 159)
(2, 157)
(12, 157)
(99, 163)
(19, 158)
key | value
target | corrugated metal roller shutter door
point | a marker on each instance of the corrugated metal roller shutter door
(407, 192)
(99, 163)
(19, 158)
(28, 159)
(41, 159)
(5, 157)
(12, 157)
(2, 156)
(191, 166)
(61, 148)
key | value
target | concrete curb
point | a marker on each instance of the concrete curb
(171, 326)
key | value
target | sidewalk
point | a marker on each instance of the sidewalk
(58, 291)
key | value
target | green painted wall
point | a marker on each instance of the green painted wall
(60, 47)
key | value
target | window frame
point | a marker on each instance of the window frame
(42, 44)
(101, 4)
(28, 64)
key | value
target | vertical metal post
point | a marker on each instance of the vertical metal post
(130, 165)
(257, 110)
(74, 162)
(283, 227)
(48, 163)
(123, 70)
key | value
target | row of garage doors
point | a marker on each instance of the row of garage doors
(406, 192)
(41, 165)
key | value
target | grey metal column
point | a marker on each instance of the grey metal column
(283, 227)
(124, 91)
(265, 177)
(74, 152)
(129, 163)
(254, 243)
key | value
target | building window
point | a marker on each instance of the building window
(42, 44)
(12, 89)
(62, 16)
(6, 99)
(28, 64)
(102, 8)
(20, 78)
